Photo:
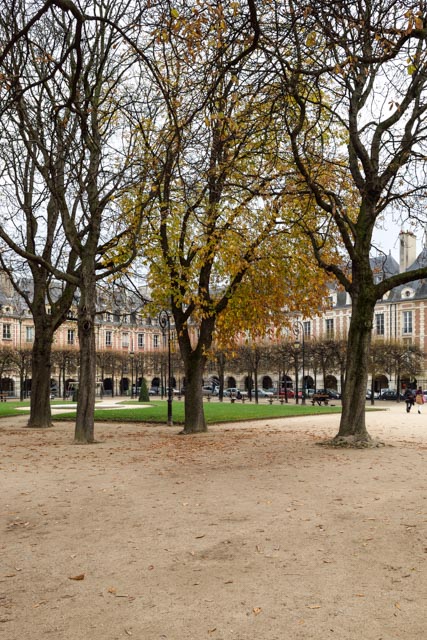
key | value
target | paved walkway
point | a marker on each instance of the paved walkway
(118, 402)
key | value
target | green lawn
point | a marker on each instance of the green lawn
(214, 412)
(9, 408)
(156, 412)
(15, 407)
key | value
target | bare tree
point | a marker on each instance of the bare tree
(28, 147)
(72, 123)
(350, 81)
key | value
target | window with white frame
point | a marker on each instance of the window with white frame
(71, 336)
(7, 332)
(407, 322)
(307, 328)
(141, 339)
(329, 327)
(108, 339)
(156, 341)
(379, 324)
(29, 334)
(125, 340)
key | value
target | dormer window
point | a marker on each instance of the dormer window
(407, 292)
(332, 300)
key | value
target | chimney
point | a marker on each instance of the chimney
(5, 284)
(408, 250)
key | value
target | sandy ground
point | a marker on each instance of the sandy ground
(249, 532)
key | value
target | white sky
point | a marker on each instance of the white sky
(387, 238)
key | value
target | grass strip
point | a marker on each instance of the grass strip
(215, 412)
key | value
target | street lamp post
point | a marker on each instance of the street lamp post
(131, 356)
(165, 325)
(299, 327)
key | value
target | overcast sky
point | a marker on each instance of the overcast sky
(387, 238)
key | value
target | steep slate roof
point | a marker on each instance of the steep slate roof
(420, 262)
(385, 264)
(419, 286)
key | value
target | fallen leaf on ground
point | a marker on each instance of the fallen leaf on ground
(81, 576)
(38, 604)
(257, 610)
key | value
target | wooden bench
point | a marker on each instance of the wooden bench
(3, 396)
(319, 398)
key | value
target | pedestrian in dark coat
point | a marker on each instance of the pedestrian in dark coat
(409, 399)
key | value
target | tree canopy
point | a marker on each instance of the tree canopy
(209, 134)
(350, 81)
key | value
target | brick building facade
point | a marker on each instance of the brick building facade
(138, 345)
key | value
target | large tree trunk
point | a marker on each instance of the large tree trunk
(194, 365)
(352, 425)
(40, 413)
(85, 423)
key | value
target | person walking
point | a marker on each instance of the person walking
(419, 398)
(409, 399)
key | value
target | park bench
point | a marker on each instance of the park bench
(3, 396)
(319, 398)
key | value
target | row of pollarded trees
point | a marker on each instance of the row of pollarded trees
(112, 364)
(282, 361)
(13, 360)
(322, 360)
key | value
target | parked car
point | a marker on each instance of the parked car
(333, 394)
(390, 394)
(289, 392)
(308, 393)
(233, 391)
(175, 392)
(369, 394)
(153, 391)
(209, 390)
(264, 393)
